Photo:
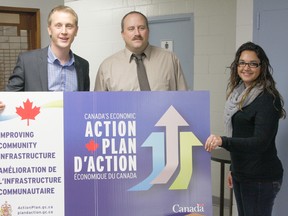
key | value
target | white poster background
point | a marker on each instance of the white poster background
(46, 132)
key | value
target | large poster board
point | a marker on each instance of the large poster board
(31, 154)
(115, 153)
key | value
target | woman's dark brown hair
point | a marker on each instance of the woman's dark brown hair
(265, 79)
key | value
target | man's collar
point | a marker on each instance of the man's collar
(147, 53)
(52, 58)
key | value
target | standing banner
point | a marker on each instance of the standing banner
(137, 154)
(105, 153)
(31, 154)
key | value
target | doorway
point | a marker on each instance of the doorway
(19, 32)
(271, 32)
(176, 33)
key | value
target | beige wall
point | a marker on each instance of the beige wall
(244, 22)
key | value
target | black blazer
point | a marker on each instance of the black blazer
(31, 72)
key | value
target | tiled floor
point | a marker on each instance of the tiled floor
(216, 211)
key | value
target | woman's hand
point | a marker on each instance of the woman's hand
(212, 142)
(229, 180)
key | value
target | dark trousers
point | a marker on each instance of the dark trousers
(255, 198)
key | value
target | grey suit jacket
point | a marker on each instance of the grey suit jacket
(31, 72)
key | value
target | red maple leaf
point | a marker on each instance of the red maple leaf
(27, 112)
(92, 146)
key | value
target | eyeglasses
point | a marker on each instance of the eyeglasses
(250, 64)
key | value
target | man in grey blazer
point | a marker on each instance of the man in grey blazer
(56, 67)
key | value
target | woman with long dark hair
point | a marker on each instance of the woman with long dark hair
(251, 116)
